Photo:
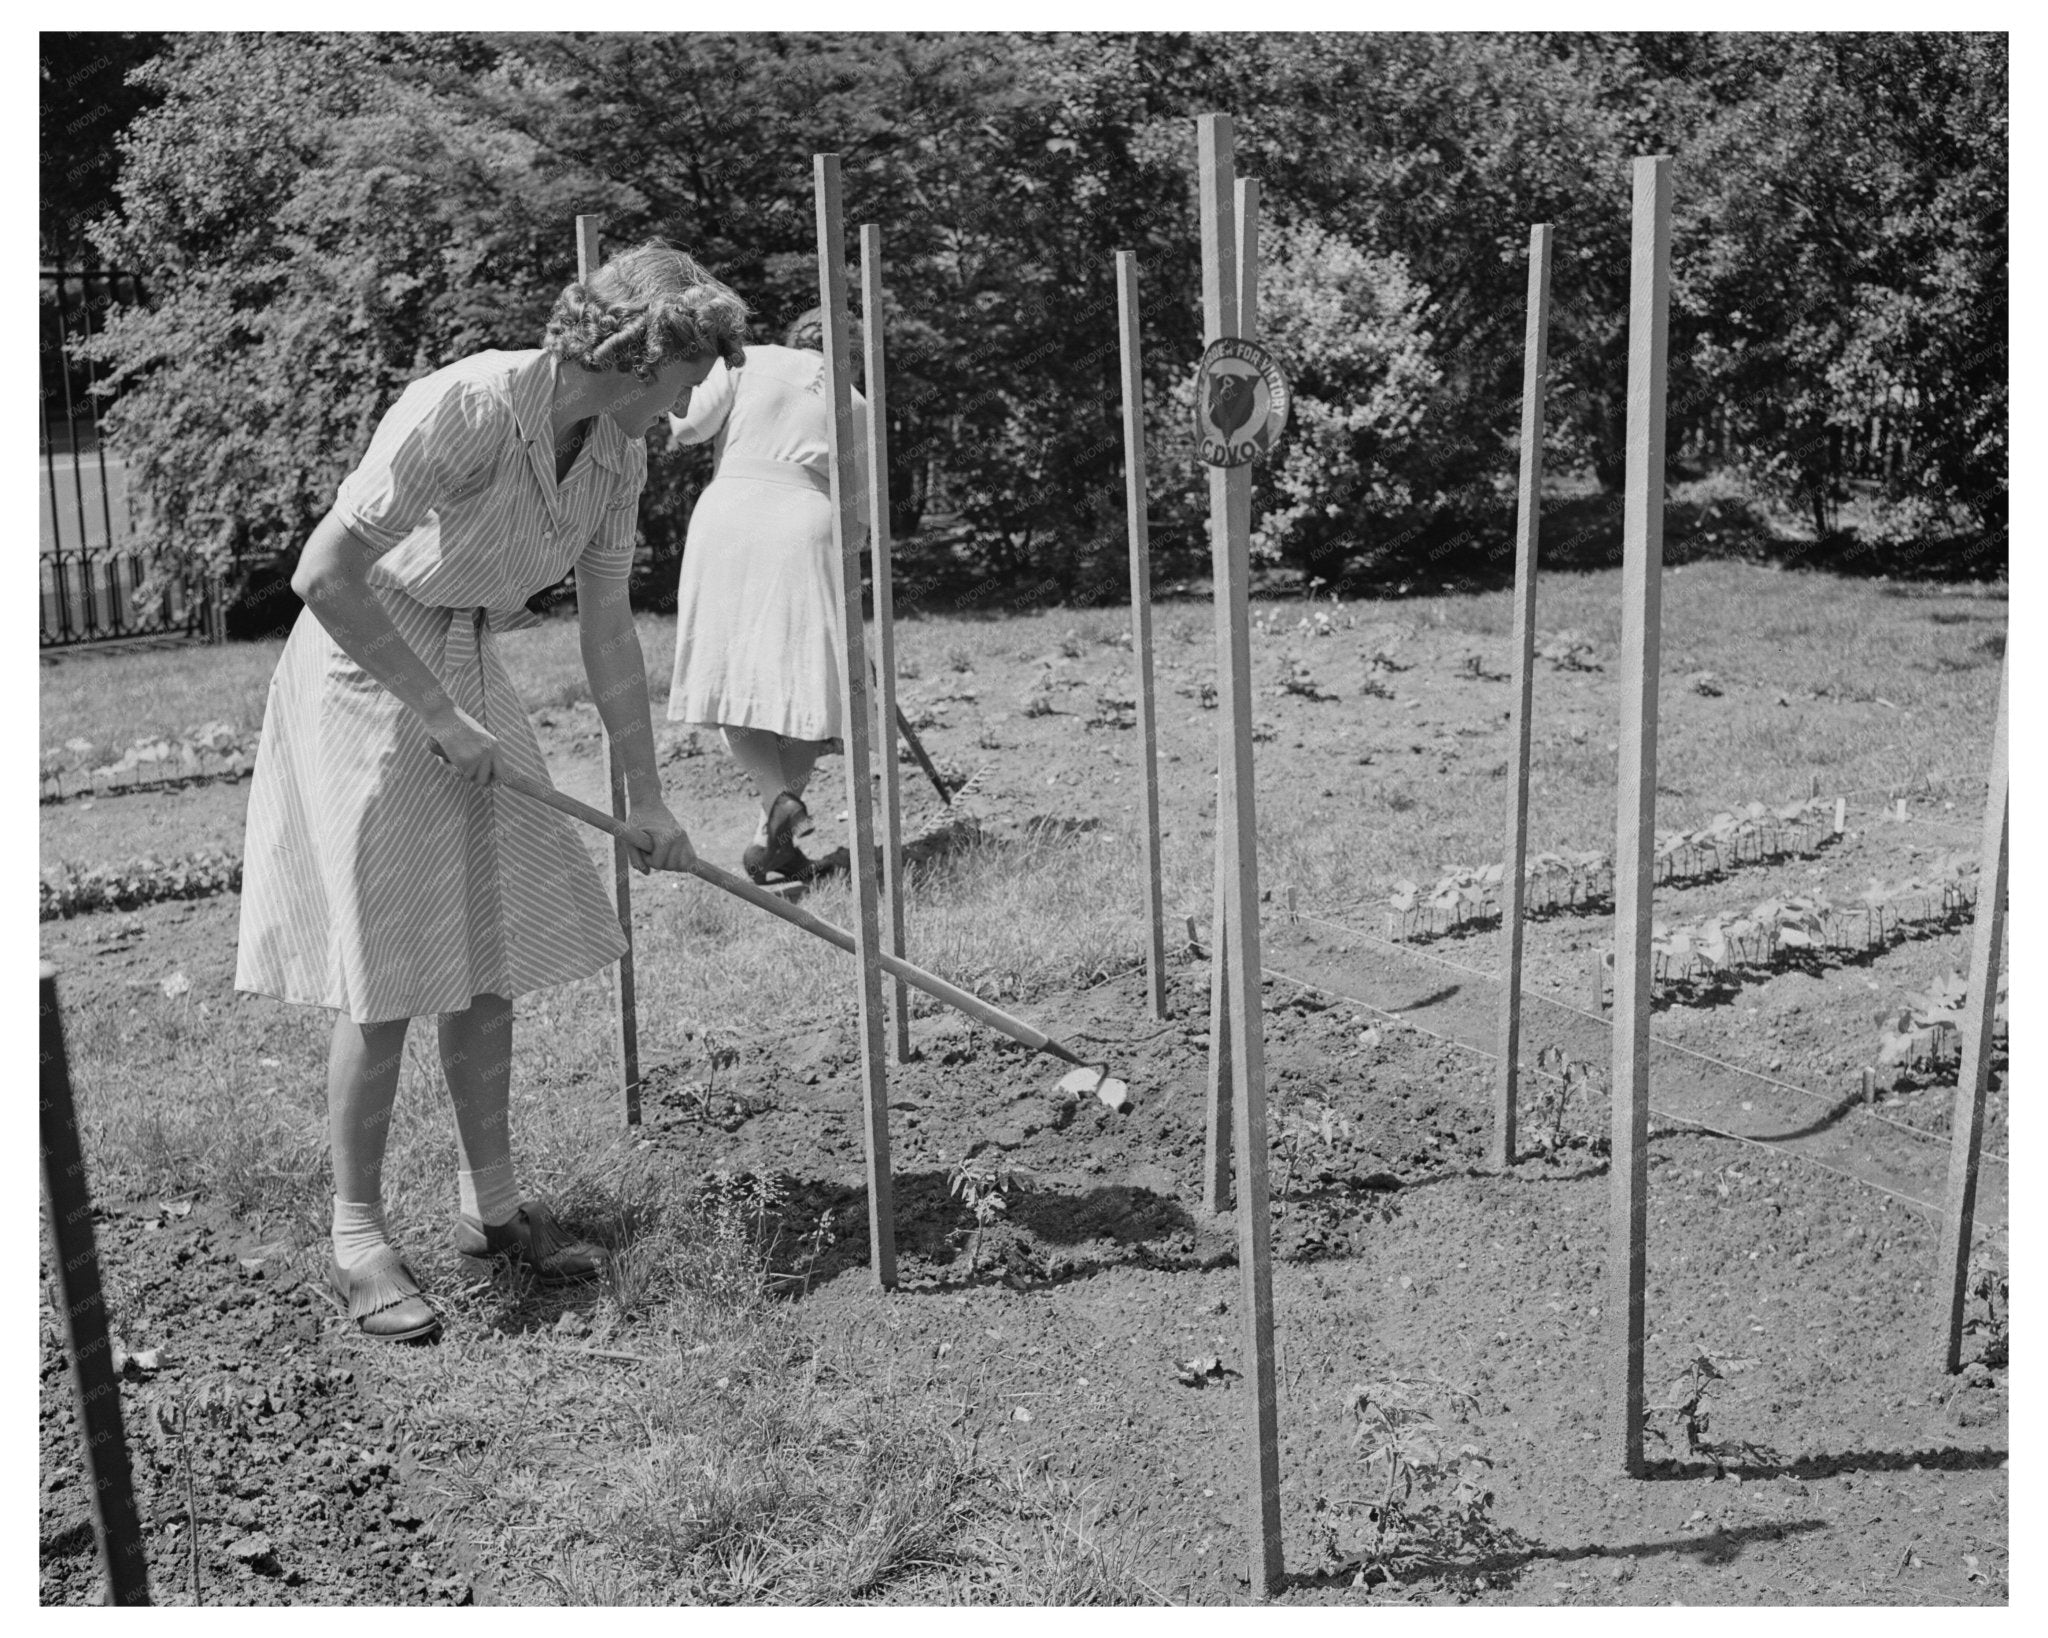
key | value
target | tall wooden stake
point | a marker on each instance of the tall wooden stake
(1216, 1139)
(75, 1274)
(1980, 1016)
(1535, 362)
(1238, 934)
(1635, 831)
(626, 1033)
(853, 673)
(1141, 619)
(885, 619)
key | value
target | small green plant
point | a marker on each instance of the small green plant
(1070, 644)
(813, 1243)
(1113, 710)
(70, 891)
(982, 1184)
(1991, 1284)
(719, 1053)
(1299, 679)
(1567, 651)
(1684, 1406)
(1038, 702)
(958, 659)
(1566, 1075)
(1426, 1498)
(1928, 1024)
(1304, 1129)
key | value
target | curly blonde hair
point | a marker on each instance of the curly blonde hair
(807, 331)
(644, 308)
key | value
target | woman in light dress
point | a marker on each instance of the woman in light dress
(760, 630)
(385, 878)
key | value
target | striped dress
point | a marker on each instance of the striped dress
(760, 626)
(376, 881)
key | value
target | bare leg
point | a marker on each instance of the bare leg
(759, 751)
(799, 758)
(476, 1057)
(362, 1083)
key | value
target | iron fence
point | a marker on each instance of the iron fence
(93, 579)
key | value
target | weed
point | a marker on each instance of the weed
(958, 658)
(1070, 644)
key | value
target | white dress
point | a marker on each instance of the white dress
(375, 880)
(759, 628)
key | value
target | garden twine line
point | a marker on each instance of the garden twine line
(1663, 1114)
(1655, 1039)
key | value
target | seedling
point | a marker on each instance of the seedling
(1554, 1098)
(1929, 1023)
(719, 1053)
(1301, 680)
(981, 1183)
(1315, 1125)
(1567, 651)
(1685, 1401)
(1407, 1453)
(1991, 1284)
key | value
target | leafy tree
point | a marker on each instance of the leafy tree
(322, 218)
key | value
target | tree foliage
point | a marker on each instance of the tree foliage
(320, 218)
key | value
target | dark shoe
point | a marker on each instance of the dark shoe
(780, 855)
(536, 1239)
(383, 1299)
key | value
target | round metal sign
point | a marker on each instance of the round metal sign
(1241, 402)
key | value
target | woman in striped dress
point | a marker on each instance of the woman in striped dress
(384, 877)
(759, 629)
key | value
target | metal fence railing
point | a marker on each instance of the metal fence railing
(92, 571)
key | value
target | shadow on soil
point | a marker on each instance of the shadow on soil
(1507, 1551)
(1758, 1463)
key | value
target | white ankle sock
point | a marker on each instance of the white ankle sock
(358, 1230)
(490, 1194)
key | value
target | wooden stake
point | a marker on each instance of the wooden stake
(853, 675)
(1141, 618)
(626, 1007)
(1241, 320)
(81, 1304)
(872, 313)
(1869, 1086)
(1535, 364)
(1841, 814)
(1635, 829)
(1230, 544)
(1980, 1017)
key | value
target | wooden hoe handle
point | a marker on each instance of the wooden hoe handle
(962, 1000)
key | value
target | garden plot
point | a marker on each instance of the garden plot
(1056, 1261)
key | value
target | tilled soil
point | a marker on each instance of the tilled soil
(252, 1431)
(1094, 1324)
(1838, 1464)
